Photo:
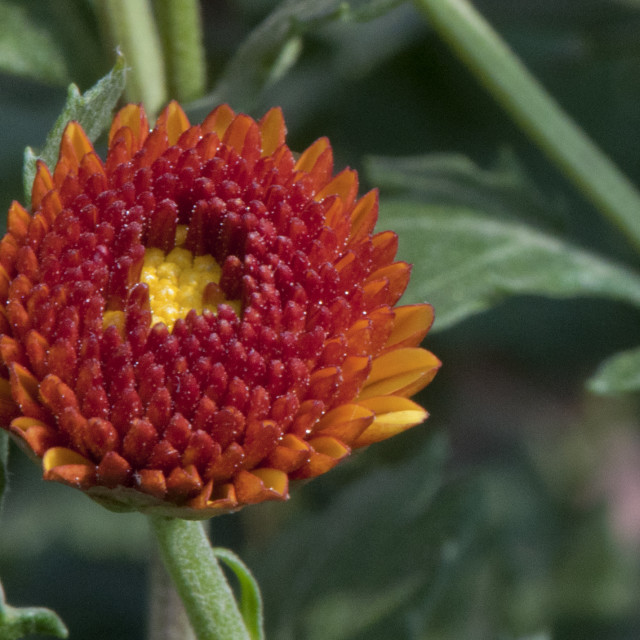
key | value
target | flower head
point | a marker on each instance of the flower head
(203, 317)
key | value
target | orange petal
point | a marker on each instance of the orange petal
(183, 483)
(260, 485)
(18, 221)
(113, 470)
(24, 390)
(243, 135)
(91, 164)
(309, 157)
(344, 185)
(400, 372)
(60, 456)
(78, 476)
(134, 117)
(345, 422)
(36, 434)
(272, 130)
(290, 454)
(174, 121)
(218, 120)
(393, 415)
(50, 206)
(42, 184)
(222, 499)
(411, 324)
(364, 215)
(326, 454)
(74, 145)
(151, 481)
(397, 275)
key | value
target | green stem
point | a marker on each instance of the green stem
(199, 580)
(132, 28)
(497, 67)
(180, 29)
(167, 618)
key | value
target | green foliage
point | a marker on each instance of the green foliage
(618, 374)
(52, 42)
(408, 552)
(250, 598)
(93, 110)
(18, 623)
(274, 46)
(454, 180)
(466, 261)
(26, 49)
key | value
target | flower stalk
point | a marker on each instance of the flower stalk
(132, 28)
(207, 597)
(537, 113)
(180, 28)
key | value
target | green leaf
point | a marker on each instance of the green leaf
(18, 623)
(250, 598)
(455, 180)
(93, 109)
(273, 47)
(26, 48)
(465, 261)
(618, 374)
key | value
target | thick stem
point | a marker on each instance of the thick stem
(167, 618)
(180, 27)
(497, 67)
(132, 28)
(199, 580)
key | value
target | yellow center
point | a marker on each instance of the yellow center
(178, 282)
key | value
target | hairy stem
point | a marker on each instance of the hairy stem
(132, 28)
(180, 29)
(207, 597)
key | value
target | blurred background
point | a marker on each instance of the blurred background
(514, 512)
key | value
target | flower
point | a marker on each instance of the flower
(203, 317)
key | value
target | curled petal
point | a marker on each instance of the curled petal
(401, 372)
(393, 415)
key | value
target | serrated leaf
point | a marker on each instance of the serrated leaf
(92, 109)
(453, 179)
(17, 623)
(618, 374)
(273, 47)
(466, 261)
(26, 49)
(250, 598)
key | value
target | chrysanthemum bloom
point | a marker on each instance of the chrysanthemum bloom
(203, 317)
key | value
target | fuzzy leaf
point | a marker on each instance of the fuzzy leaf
(17, 623)
(250, 598)
(466, 261)
(92, 109)
(618, 374)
